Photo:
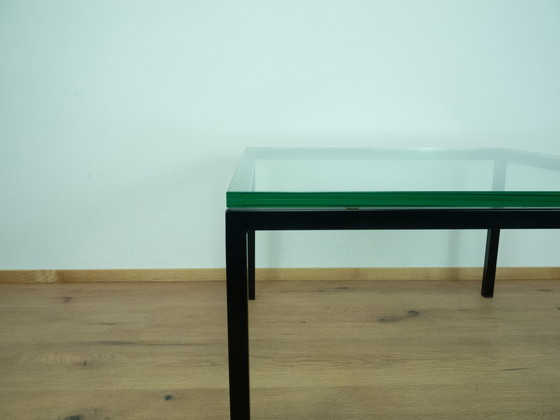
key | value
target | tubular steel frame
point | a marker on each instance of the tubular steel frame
(241, 225)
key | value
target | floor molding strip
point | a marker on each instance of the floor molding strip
(274, 274)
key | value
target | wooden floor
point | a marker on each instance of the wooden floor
(320, 350)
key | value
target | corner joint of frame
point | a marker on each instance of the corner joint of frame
(237, 221)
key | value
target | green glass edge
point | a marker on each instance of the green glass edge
(395, 199)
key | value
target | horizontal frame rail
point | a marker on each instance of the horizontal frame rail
(396, 219)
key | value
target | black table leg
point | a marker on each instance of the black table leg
(490, 260)
(238, 319)
(251, 263)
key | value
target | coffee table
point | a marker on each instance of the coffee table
(361, 188)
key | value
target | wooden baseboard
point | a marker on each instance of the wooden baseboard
(274, 274)
(113, 276)
(406, 273)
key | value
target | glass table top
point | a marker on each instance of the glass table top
(364, 177)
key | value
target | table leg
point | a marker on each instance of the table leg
(490, 260)
(251, 263)
(238, 320)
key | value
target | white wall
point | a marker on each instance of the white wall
(121, 121)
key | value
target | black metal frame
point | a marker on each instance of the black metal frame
(240, 257)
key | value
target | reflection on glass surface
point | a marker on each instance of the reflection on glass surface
(359, 177)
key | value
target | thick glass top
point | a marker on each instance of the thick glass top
(362, 177)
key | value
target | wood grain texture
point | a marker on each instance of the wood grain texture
(112, 276)
(274, 274)
(319, 350)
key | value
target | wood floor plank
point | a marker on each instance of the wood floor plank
(95, 404)
(319, 350)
